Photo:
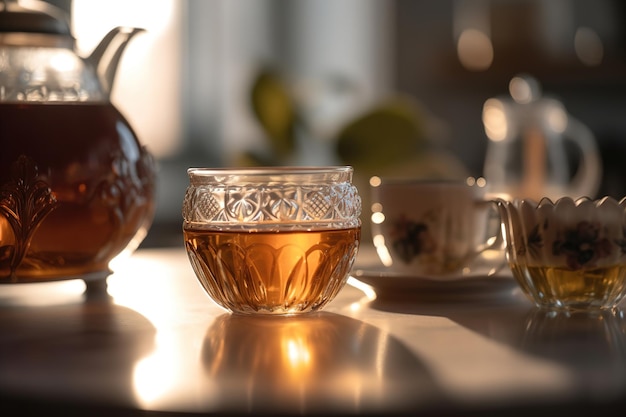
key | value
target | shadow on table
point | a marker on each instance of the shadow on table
(70, 356)
(311, 364)
(591, 344)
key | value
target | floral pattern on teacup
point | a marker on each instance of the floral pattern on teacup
(411, 239)
(582, 245)
(575, 234)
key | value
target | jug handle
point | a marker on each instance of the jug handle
(587, 179)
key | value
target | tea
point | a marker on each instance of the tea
(572, 288)
(276, 272)
(66, 210)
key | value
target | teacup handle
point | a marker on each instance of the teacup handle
(493, 241)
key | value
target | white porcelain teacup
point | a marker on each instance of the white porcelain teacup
(425, 227)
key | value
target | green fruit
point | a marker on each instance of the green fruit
(275, 111)
(388, 134)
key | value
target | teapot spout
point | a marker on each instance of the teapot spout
(106, 56)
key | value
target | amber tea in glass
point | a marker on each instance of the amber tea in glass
(581, 287)
(272, 240)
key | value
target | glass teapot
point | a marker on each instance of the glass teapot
(532, 143)
(76, 186)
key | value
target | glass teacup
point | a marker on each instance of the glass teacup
(272, 240)
(568, 254)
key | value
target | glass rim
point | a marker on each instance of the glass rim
(269, 170)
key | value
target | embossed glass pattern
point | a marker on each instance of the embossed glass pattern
(272, 240)
(281, 198)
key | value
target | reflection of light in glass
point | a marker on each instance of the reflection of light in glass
(475, 50)
(588, 46)
(502, 195)
(494, 120)
(63, 62)
(369, 292)
(557, 119)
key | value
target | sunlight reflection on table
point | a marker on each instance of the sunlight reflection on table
(358, 354)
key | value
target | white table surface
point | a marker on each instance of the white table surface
(158, 344)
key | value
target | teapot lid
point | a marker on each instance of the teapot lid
(19, 21)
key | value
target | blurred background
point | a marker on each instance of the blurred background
(392, 87)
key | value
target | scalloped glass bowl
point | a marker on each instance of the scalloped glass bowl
(569, 254)
(274, 240)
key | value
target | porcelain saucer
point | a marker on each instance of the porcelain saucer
(477, 284)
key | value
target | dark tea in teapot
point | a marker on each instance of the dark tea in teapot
(75, 189)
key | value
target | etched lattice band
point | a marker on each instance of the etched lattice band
(323, 197)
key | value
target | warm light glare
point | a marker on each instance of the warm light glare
(588, 46)
(164, 369)
(378, 217)
(494, 120)
(126, 291)
(475, 50)
(155, 375)
(63, 62)
(368, 290)
(92, 17)
(147, 84)
(381, 249)
(522, 90)
(298, 354)
(375, 181)
(384, 255)
(557, 119)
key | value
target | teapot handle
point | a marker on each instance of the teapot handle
(586, 180)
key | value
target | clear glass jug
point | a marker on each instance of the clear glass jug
(527, 155)
(76, 186)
